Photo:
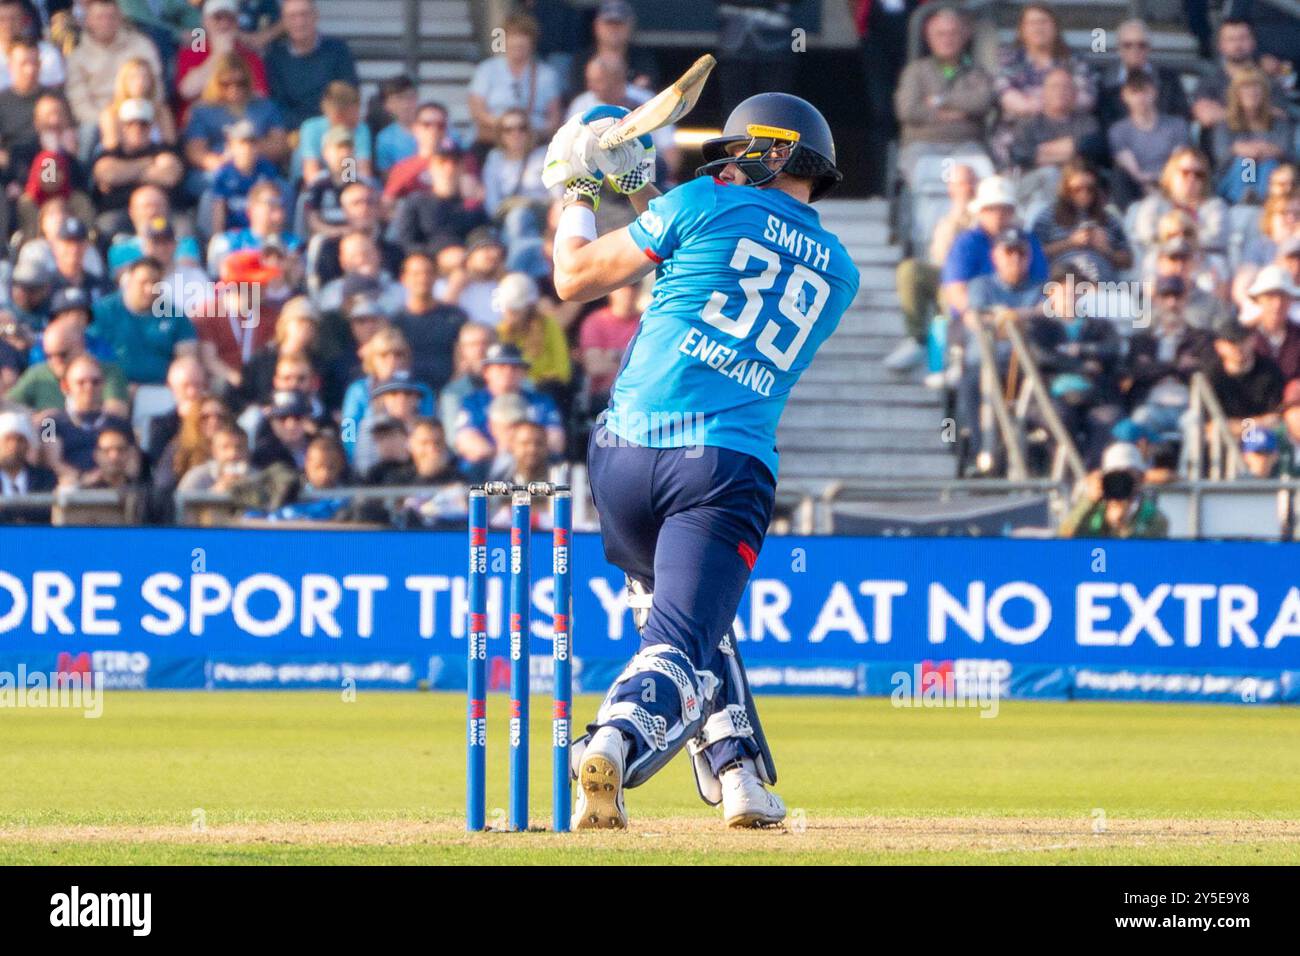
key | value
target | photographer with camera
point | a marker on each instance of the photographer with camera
(1113, 503)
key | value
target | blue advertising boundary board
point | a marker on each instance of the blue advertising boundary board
(218, 608)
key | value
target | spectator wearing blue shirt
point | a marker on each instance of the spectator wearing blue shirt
(1007, 294)
(148, 205)
(227, 99)
(302, 63)
(504, 373)
(994, 209)
(267, 220)
(385, 357)
(396, 141)
(233, 180)
(340, 108)
(143, 343)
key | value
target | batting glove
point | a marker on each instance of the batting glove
(576, 160)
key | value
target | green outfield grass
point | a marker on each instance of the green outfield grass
(309, 778)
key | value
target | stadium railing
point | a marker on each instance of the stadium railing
(1008, 407)
(1207, 434)
(68, 506)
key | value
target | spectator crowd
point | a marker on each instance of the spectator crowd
(227, 271)
(1136, 226)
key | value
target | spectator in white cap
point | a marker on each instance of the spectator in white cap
(137, 160)
(17, 475)
(1272, 295)
(136, 80)
(537, 335)
(971, 255)
(1113, 503)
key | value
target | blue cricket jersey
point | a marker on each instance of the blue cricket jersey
(748, 286)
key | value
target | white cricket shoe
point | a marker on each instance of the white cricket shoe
(905, 356)
(600, 783)
(745, 801)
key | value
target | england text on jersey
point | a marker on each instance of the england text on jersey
(751, 373)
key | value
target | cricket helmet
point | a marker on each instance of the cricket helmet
(766, 123)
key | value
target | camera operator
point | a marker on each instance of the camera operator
(1113, 503)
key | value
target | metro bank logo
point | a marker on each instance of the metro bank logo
(117, 669)
(478, 537)
(938, 673)
(69, 665)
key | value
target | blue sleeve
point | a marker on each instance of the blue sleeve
(223, 182)
(1037, 261)
(268, 116)
(310, 135)
(355, 401)
(473, 414)
(673, 217)
(201, 126)
(956, 267)
(363, 144)
(547, 412)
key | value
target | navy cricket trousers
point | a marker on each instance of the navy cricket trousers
(687, 523)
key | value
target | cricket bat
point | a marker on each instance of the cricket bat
(664, 108)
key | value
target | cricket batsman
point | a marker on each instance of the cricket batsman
(683, 465)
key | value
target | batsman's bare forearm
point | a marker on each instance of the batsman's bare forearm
(588, 269)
